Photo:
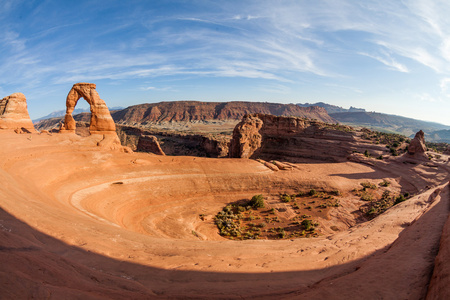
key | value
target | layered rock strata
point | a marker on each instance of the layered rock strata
(196, 111)
(14, 113)
(294, 139)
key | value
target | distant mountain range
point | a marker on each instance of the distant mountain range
(60, 113)
(188, 111)
(434, 132)
(331, 109)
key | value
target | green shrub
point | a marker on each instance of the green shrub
(257, 201)
(307, 224)
(285, 198)
(384, 183)
(336, 193)
(366, 197)
(368, 185)
(399, 199)
(312, 192)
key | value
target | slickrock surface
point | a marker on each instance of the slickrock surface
(440, 282)
(14, 113)
(81, 221)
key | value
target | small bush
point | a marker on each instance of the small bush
(400, 199)
(312, 192)
(285, 198)
(336, 193)
(257, 201)
(308, 225)
(368, 185)
(366, 197)
(384, 183)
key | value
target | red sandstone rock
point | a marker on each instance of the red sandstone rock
(290, 139)
(149, 143)
(246, 138)
(101, 120)
(281, 166)
(14, 113)
(417, 146)
(188, 111)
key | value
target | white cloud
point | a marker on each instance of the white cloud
(390, 62)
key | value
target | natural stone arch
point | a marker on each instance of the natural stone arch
(101, 120)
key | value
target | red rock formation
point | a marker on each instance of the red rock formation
(149, 143)
(187, 111)
(101, 120)
(293, 139)
(14, 113)
(246, 137)
(417, 146)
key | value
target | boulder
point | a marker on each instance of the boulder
(14, 113)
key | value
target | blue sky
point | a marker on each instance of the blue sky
(385, 56)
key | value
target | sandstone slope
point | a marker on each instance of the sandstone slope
(78, 220)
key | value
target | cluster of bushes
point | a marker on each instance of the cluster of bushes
(391, 139)
(248, 220)
(436, 147)
(375, 208)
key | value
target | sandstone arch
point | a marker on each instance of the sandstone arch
(101, 120)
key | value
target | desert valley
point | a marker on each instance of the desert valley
(228, 200)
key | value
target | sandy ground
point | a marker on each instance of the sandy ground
(81, 222)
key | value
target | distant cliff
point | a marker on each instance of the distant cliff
(196, 111)
(188, 111)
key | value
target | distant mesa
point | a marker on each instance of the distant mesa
(101, 120)
(14, 113)
(197, 111)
